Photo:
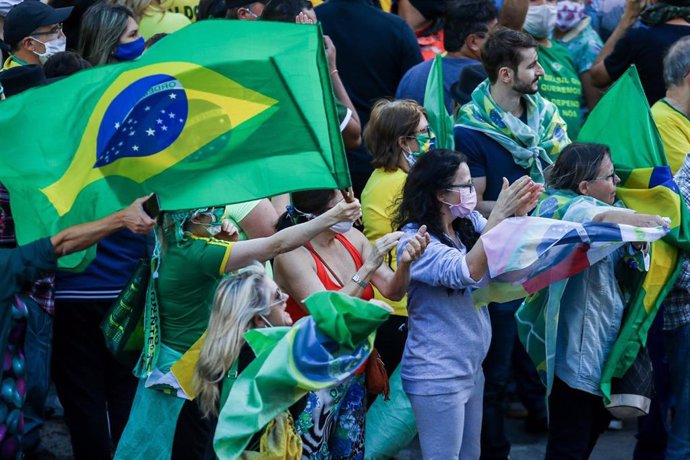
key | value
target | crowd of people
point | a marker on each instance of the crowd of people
(520, 78)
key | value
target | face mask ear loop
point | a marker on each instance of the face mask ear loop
(265, 320)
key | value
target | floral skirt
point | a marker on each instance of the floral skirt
(332, 424)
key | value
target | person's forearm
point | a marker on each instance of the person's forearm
(476, 261)
(626, 22)
(591, 93)
(79, 237)
(396, 288)
(599, 74)
(353, 289)
(298, 235)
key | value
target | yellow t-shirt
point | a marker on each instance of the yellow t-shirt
(378, 208)
(155, 21)
(674, 128)
(189, 8)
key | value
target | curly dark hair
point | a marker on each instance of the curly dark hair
(433, 172)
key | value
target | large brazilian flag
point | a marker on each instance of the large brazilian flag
(219, 112)
(623, 121)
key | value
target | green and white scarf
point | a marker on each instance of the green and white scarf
(542, 138)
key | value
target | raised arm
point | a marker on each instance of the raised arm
(263, 249)
(79, 237)
(599, 74)
(394, 284)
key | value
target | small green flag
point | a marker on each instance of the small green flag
(218, 112)
(434, 103)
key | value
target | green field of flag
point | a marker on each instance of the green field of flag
(218, 112)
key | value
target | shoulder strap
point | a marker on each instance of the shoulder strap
(313, 251)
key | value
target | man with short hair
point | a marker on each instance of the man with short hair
(466, 26)
(33, 32)
(508, 130)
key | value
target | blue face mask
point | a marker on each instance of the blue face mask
(129, 51)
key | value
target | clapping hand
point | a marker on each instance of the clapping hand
(416, 246)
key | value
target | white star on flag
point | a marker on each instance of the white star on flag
(150, 132)
(135, 148)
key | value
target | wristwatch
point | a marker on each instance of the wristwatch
(363, 284)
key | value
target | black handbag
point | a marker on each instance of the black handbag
(631, 395)
(123, 325)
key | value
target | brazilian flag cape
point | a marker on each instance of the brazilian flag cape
(219, 112)
(319, 351)
(622, 120)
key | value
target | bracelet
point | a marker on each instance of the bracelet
(359, 281)
(334, 71)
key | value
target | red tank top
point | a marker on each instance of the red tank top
(322, 273)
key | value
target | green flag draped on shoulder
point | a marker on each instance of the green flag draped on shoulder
(622, 120)
(219, 112)
(319, 351)
(435, 104)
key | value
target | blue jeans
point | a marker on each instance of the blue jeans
(677, 352)
(448, 424)
(37, 349)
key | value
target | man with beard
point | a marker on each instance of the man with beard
(508, 130)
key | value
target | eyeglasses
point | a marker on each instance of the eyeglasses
(611, 177)
(279, 297)
(422, 132)
(458, 187)
(54, 31)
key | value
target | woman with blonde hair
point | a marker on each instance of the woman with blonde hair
(397, 134)
(109, 34)
(244, 300)
(195, 249)
(153, 18)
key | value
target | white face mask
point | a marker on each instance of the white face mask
(52, 47)
(541, 20)
(411, 159)
(341, 227)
